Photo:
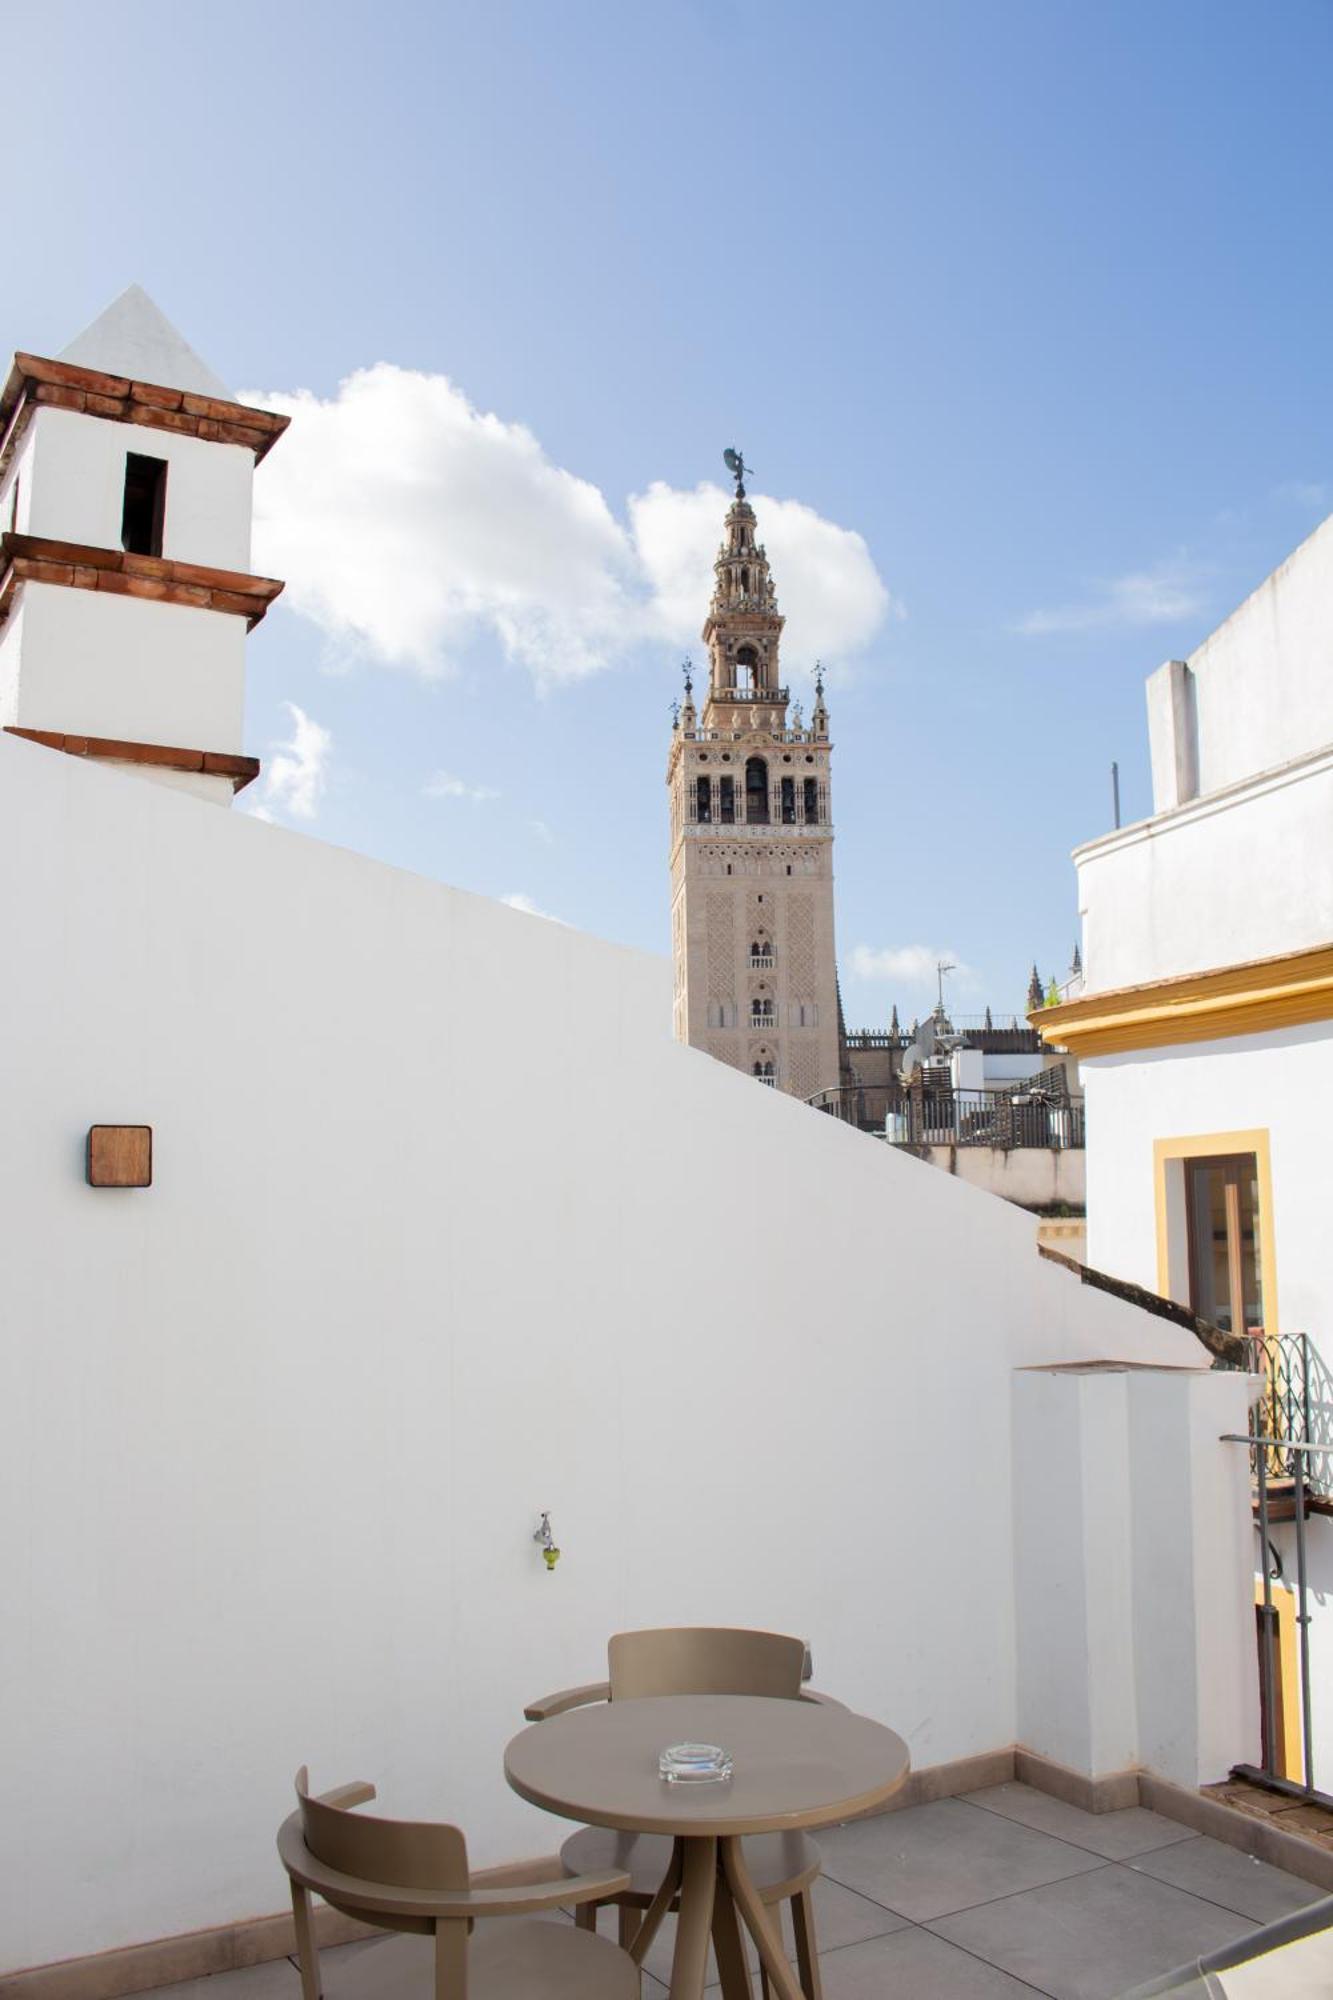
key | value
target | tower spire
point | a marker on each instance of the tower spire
(743, 629)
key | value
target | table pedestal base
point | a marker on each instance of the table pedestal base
(718, 1899)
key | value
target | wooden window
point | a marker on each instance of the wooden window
(143, 513)
(1226, 1258)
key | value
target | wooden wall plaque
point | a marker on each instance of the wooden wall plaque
(120, 1156)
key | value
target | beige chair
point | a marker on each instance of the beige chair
(698, 1659)
(412, 1875)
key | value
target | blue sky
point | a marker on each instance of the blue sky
(1034, 299)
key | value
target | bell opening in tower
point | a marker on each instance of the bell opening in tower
(756, 791)
(143, 512)
(747, 669)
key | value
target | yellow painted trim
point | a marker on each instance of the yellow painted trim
(1202, 1146)
(1249, 999)
(1288, 1748)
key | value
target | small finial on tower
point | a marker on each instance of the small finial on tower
(819, 678)
(736, 466)
(687, 669)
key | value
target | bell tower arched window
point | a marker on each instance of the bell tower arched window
(703, 798)
(811, 800)
(747, 668)
(756, 791)
(789, 801)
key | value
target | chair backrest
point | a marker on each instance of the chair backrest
(414, 1854)
(704, 1659)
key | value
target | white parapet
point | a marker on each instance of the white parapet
(1134, 1569)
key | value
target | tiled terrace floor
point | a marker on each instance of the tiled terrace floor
(1000, 1894)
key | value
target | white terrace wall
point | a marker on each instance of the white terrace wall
(1263, 681)
(1245, 875)
(440, 1235)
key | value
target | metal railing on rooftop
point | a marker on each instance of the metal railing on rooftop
(1004, 1119)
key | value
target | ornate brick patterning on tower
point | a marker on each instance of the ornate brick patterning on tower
(752, 842)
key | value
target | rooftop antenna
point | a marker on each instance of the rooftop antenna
(1115, 791)
(941, 967)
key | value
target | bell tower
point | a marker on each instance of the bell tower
(752, 840)
(126, 471)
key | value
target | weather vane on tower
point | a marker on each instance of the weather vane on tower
(736, 466)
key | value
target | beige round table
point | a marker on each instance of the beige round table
(796, 1764)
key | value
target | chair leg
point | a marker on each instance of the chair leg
(307, 1951)
(627, 1925)
(807, 1951)
(585, 1916)
(451, 1958)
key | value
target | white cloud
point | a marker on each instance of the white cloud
(295, 778)
(445, 786)
(907, 964)
(518, 901)
(543, 832)
(828, 587)
(1157, 596)
(408, 523)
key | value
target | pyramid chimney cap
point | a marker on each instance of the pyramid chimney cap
(134, 338)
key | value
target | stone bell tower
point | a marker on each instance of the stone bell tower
(752, 841)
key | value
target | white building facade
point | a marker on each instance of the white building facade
(1205, 1027)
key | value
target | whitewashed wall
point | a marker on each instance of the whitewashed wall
(101, 665)
(75, 478)
(1252, 1082)
(1132, 1524)
(1242, 876)
(1279, 1083)
(442, 1233)
(1263, 681)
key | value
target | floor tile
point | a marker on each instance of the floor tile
(1222, 1874)
(401, 1966)
(929, 1860)
(913, 1965)
(841, 1918)
(277, 1980)
(1093, 1937)
(1133, 1830)
(844, 1917)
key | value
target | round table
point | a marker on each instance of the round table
(796, 1764)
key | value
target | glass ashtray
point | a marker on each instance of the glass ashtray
(694, 1764)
